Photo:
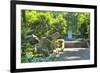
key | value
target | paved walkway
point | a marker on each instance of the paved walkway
(74, 54)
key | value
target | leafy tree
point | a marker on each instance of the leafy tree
(84, 24)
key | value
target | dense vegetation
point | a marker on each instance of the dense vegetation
(45, 23)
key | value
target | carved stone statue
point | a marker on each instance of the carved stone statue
(46, 45)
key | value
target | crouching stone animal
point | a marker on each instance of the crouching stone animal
(46, 45)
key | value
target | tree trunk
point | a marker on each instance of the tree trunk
(24, 17)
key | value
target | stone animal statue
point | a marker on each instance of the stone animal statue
(46, 45)
(35, 39)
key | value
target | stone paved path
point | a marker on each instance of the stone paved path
(74, 54)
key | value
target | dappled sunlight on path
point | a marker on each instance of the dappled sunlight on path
(74, 54)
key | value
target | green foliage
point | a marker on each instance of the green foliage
(84, 25)
(40, 20)
(45, 23)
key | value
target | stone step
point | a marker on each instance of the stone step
(75, 44)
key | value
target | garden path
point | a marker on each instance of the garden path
(74, 54)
